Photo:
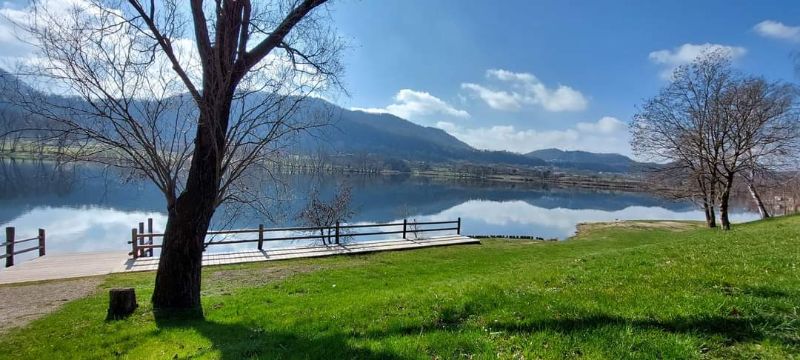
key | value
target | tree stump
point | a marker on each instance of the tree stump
(122, 302)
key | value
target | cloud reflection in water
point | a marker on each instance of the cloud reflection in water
(480, 217)
(94, 228)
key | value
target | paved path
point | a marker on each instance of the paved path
(72, 265)
(64, 266)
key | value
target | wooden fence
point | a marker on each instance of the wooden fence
(142, 244)
(512, 237)
(11, 241)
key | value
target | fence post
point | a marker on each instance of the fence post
(405, 224)
(143, 252)
(134, 247)
(10, 246)
(458, 229)
(260, 236)
(337, 233)
(41, 242)
(150, 238)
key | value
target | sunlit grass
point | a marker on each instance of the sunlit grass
(619, 292)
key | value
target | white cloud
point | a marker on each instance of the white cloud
(13, 40)
(606, 125)
(506, 75)
(777, 30)
(605, 135)
(112, 43)
(686, 53)
(500, 100)
(525, 89)
(410, 104)
(10, 42)
(153, 77)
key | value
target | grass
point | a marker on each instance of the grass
(612, 292)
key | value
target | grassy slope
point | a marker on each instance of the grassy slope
(613, 292)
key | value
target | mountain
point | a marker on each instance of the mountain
(584, 160)
(380, 136)
(388, 136)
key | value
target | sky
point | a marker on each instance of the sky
(534, 74)
(526, 75)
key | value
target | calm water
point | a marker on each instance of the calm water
(86, 208)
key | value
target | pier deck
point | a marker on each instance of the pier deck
(72, 265)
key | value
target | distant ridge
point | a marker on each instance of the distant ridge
(389, 136)
(584, 160)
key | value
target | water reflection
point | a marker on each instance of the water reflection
(483, 217)
(87, 208)
(84, 228)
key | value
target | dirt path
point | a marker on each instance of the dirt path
(21, 304)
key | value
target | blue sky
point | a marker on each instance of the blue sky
(531, 74)
(407, 54)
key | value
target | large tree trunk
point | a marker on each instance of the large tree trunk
(724, 203)
(723, 214)
(708, 204)
(179, 269)
(711, 219)
(178, 277)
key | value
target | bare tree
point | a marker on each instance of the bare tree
(715, 126)
(679, 127)
(325, 214)
(8, 123)
(412, 228)
(760, 132)
(192, 98)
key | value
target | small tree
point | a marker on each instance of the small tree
(412, 229)
(325, 214)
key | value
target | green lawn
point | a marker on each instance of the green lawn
(612, 292)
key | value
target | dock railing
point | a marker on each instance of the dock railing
(142, 243)
(12, 241)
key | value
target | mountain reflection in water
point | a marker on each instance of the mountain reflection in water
(84, 207)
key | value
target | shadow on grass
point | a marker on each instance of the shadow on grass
(765, 292)
(249, 340)
(730, 329)
(237, 341)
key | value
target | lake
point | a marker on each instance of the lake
(85, 207)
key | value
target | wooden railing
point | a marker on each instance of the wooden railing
(11, 241)
(142, 244)
(512, 237)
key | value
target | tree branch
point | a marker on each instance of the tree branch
(166, 46)
(252, 57)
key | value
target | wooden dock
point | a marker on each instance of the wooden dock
(72, 265)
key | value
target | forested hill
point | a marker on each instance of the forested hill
(386, 136)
